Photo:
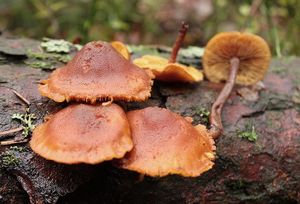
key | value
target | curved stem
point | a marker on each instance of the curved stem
(178, 42)
(216, 110)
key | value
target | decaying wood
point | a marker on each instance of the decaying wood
(263, 171)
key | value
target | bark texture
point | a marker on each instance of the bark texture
(264, 171)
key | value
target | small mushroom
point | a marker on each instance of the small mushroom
(166, 143)
(97, 72)
(169, 70)
(121, 48)
(83, 133)
(233, 57)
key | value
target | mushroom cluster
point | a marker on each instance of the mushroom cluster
(91, 132)
(152, 141)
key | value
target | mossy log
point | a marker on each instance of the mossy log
(266, 170)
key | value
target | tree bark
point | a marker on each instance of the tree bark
(263, 171)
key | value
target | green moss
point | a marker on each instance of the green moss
(44, 60)
(40, 65)
(17, 148)
(53, 54)
(249, 133)
(64, 58)
(9, 159)
(203, 113)
(49, 56)
(56, 46)
(38, 55)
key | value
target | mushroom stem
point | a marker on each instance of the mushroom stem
(216, 110)
(178, 42)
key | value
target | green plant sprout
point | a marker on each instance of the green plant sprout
(249, 133)
(203, 113)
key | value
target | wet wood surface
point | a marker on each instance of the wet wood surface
(263, 171)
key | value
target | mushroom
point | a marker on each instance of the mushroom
(233, 57)
(169, 70)
(121, 48)
(97, 72)
(166, 143)
(83, 133)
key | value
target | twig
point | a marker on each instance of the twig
(12, 142)
(178, 42)
(22, 98)
(7, 132)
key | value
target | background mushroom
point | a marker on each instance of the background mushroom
(121, 48)
(97, 72)
(83, 133)
(233, 57)
(169, 70)
(166, 143)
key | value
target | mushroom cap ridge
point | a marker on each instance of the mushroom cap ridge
(83, 133)
(97, 72)
(166, 143)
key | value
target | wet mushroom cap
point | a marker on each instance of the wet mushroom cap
(83, 133)
(97, 72)
(121, 48)
(166, 143)
(169, 72)
(252, 51)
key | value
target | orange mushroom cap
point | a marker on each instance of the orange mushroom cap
(121, 48)
(97, 72)
(166, 143)
(165, 71)
(252, 51)
(83, 133)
